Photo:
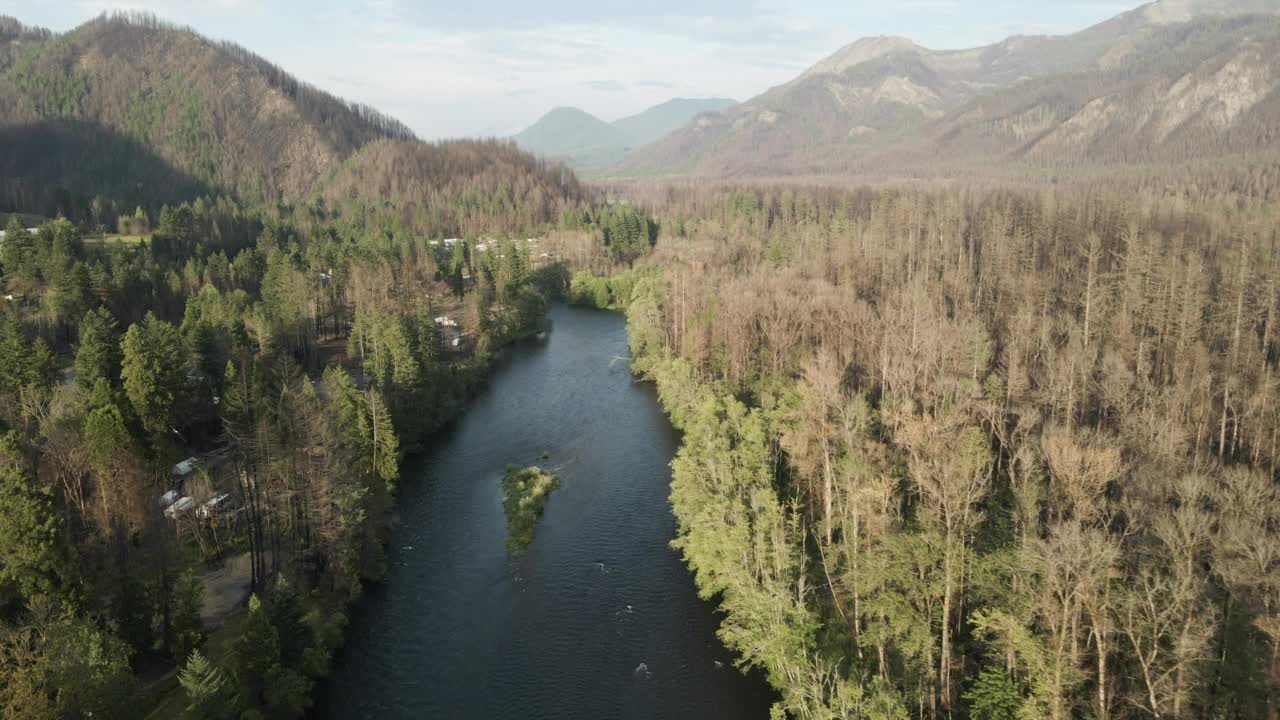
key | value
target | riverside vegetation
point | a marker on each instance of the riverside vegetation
(975, 453)
(524, 496)
(273, 315)
(120, 362)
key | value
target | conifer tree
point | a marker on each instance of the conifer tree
(209, 693)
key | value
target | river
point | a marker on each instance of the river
(599, 619)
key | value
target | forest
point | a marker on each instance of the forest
(996, 439)
(975, 452)
(293, 356)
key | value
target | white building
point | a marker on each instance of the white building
(181, 507)
(184, 469)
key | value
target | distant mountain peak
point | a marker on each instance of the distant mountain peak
(587, 142)
(864, 50)
(1164, 81)
(1167, 12)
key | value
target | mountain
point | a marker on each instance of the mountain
(1180, 92)
(887, 103)
(575, 136)
(652, 124)
(134, 111)
(587, 142)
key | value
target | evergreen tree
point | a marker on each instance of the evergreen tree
(383, 446)
(285, 611)
(32, 556)
(256, 652)
(209, 693)
(89, 668)
(98, 356)
(154, 373)
(17, 364)
(134, 613)
(185, 632)
(17, 252)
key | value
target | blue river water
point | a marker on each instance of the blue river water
(599, 619)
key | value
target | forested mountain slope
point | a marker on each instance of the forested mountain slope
(131, 111)
(839, 116)
(456, 188)
(214, 111)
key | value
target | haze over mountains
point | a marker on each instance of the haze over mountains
(1170, 81)
(589, 143)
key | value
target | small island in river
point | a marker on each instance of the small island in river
(524, 495)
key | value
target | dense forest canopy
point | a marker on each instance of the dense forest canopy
(293, 366)
(209, 385)
(976, 453)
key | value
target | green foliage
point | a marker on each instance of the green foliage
(285, 612)
(524, 496)
(22, 363)
(17, 252)
(89, 668)
(993, 696)
(54, 89)
(134, 615)
(210, 695)
(154, 372)
(387, 348)
(266, 679)
(383, 444)
(613, 293)
(98, 357)
(32, 554)
(255, 653)
(628, 233)
(185, 631)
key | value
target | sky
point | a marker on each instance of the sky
(453, 68)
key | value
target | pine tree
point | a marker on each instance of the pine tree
(16, 368)
(256, 652)
(209, 694)
(32, 556)
(154, 372)
(285, 611)
(185, 630)
(383, 444)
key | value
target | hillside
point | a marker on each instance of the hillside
(575, 136)
(926, 106)
(589, 143)
(652, 124)
(455, 188)
(1202, 89)
(138, 112)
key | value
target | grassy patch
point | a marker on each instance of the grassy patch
(115, 239)
(524, 495)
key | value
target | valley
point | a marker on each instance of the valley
(922, 385)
